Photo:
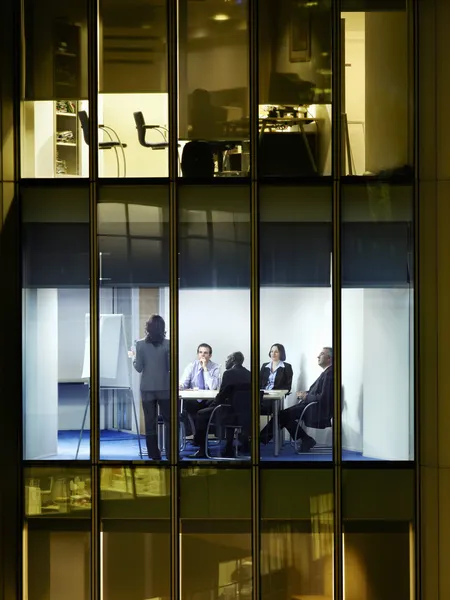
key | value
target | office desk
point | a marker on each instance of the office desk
(281, 122)
(275, 396)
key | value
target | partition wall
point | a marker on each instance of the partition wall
(247, 170)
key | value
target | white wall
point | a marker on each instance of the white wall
(220, 318)
(116, 111)
(300, 319)
(387, 374)
(40, 372)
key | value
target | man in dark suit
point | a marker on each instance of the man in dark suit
(235, 390)
(319, 415)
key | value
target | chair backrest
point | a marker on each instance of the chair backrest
(140, 126)
(84, 120)
(197, 160)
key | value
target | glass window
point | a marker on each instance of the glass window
(377, 81)
(54, 92)
(133, 98)
(296, 378)
(135, 536)
(296, 534)
(134, 322)
(377, 323)
(56, 533)
(55, 282)
(213, 92)
(215, 542)
(294, 62)
(378, 534)
(214, 321)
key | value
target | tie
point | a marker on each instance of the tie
(201, 380)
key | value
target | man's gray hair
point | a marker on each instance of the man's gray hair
(329, 349)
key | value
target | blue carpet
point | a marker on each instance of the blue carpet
(117, 445)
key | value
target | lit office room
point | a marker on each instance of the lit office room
(214, 222)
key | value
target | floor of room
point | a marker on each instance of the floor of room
(119, 445)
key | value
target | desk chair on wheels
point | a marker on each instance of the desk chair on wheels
(111, 144)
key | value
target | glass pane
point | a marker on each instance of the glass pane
(294, 62)
(56, 533)
(378, 538)
(135, 536)
(55, 282)
(297, 534)
(296, 378)
(214, 276)
(377, 323)
(54, 92)
(378, 88)
(134, 320)
(133, 98)
(216, 548)
(213, 90)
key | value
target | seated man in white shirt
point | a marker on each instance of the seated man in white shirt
(202, 374)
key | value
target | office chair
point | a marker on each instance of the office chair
(233, 418)
(321, 424)
(142, 130)
(197, 160)
(84, 121)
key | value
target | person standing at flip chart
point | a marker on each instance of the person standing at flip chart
(153, 361)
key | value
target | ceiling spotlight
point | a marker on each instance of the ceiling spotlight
(221, 17)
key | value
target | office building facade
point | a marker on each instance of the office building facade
(263, 176)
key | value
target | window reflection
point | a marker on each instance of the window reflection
(135, 537)
(213, 88)
(296, 535)
(214, 322)
(296, 356)
(377, 323)
(55, 283)
(134, 323)
(294, 88)
(378, 85)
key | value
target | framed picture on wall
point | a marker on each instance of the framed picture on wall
(299, 34)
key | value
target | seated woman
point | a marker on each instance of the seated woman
(275, 375)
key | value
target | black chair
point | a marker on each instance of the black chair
(142, 130)
(232, 418)
(303, 421)
(197, 160)
(111, 144)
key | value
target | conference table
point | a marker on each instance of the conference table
(275, 396)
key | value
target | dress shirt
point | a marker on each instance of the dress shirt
(211, 375)
(273, 374)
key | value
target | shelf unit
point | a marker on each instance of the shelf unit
(67, 139)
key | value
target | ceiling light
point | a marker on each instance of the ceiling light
(221, 17)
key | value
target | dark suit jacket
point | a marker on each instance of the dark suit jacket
(322, 392)
(232, 379)
(283, 378)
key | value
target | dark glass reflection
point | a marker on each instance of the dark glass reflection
(294, 61)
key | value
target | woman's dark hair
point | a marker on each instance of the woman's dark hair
(281, 350)
(155, 328)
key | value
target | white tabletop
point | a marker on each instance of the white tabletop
(203, 394)
(198, 394)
